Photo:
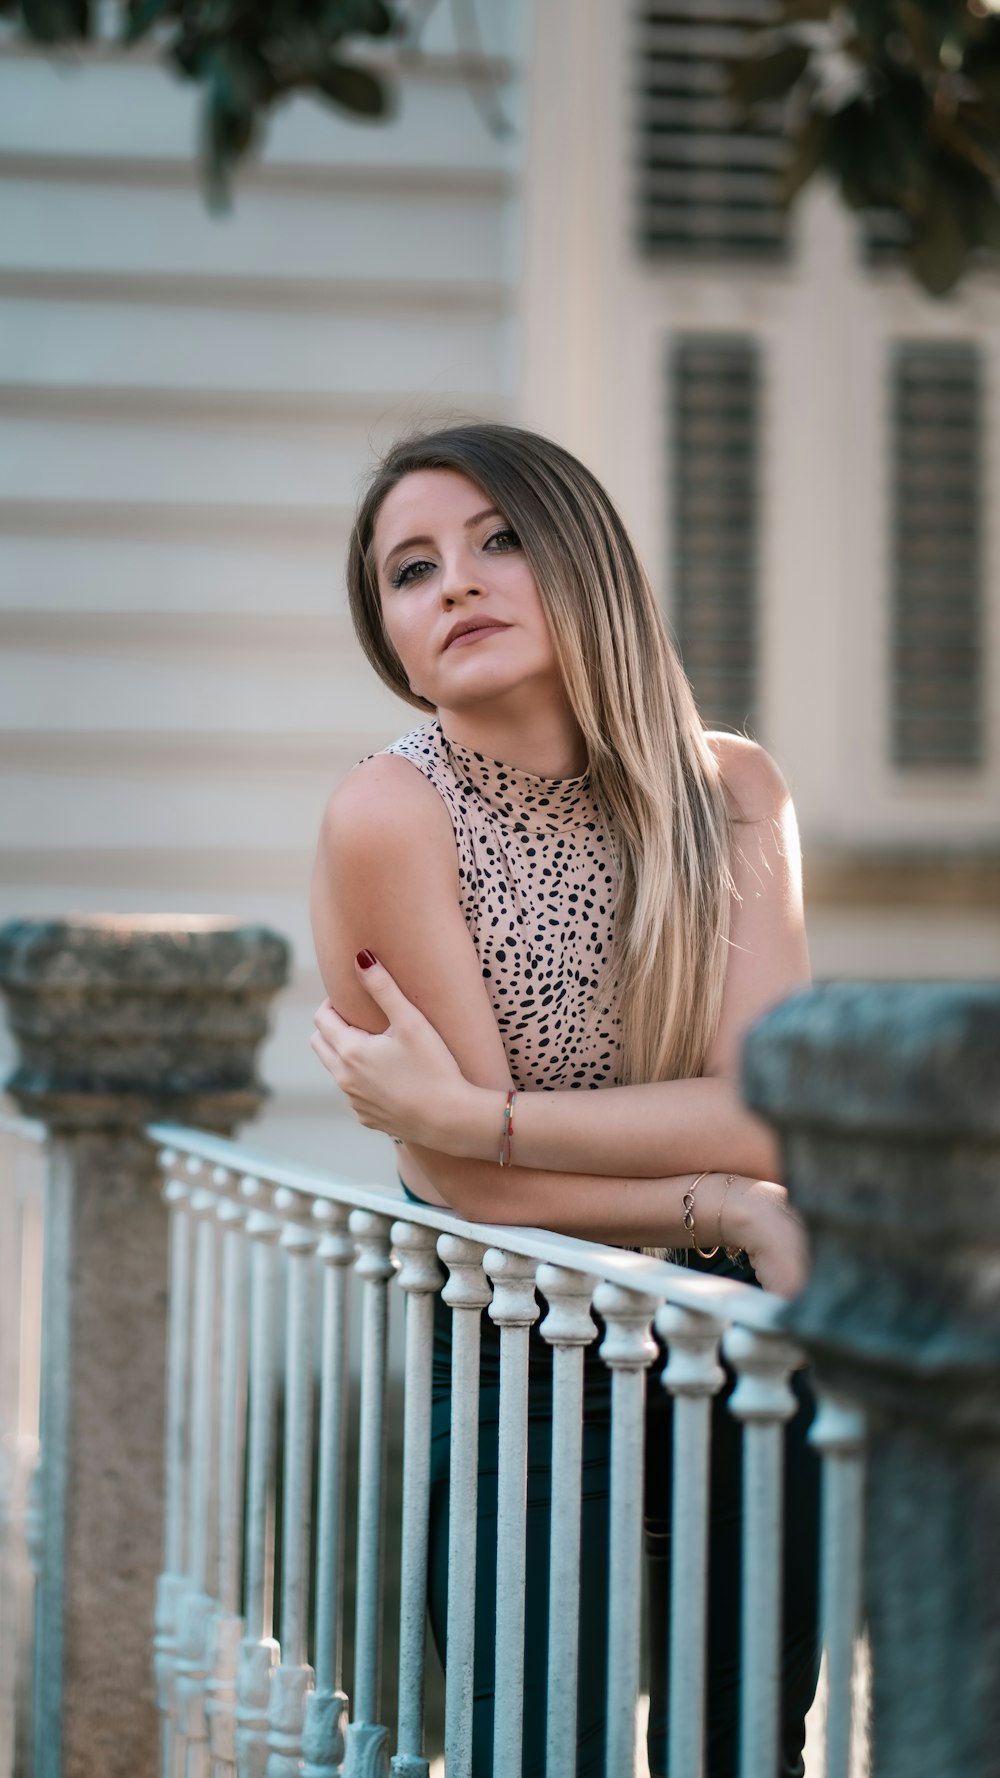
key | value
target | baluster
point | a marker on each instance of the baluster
(763, 1399)
(326, 1705)
(627, 1349)
(420, 1276)
(568, 1327)
(514, 1309)
(367, 1739)
(197, 1604)
(292, 1678)
(692, 1376)
(228, 1626)
(838, 1432)
(467, 1293)
(173, 1581)
(259, 1651)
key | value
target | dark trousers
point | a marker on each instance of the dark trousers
(800, 1650)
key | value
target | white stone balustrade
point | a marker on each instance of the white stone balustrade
(692, 1375)
(255, 1404)
(627, 1349)
(467, 1293)
(258, 1404)
(514, 1309)
(763, 1400)
(367, 1740)
(326, 1705)
(568, 1328)
(266, 1234)
(420, 1277)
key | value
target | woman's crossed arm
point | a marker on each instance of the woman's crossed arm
(386, 882)
(412, 1085)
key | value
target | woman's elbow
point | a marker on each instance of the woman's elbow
(478, 1191)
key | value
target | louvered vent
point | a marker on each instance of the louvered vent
(707, 183)
(885, 236)
(936, 702)
(715, 401)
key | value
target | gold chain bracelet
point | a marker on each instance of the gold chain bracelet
(687, 1203)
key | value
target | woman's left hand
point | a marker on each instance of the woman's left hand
(396, 1080)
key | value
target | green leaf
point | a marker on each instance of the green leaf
(355, 89)
(344, 18)
(938, 251)
(143, 15)
(239, 87)
(56, 21)
(769, 75)
(796, 12)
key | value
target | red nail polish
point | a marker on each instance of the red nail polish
(365, 959)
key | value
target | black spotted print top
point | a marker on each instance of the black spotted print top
(537, 885)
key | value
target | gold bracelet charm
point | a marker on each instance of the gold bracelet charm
(687, 1203)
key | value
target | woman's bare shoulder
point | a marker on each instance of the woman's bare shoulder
(383, 805)
(754, 784)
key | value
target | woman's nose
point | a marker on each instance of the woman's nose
(458, 581)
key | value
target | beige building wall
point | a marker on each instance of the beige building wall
(187, 406)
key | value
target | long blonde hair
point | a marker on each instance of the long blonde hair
(651, 768)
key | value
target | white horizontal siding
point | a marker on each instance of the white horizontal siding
(382, 233)
(158, 346)
(188, 405)
(210, 523)
(337, 696)
(194, 809)
(234, 579)
(135, 111)
(301, 464)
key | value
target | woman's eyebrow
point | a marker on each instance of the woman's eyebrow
(490, 512)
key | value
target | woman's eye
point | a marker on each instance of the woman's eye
(506, 539)
(408, 572)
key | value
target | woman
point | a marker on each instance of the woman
(561, 882)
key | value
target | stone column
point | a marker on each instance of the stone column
(887, 1100)
(117, 1021)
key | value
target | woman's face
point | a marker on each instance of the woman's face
(459, 601)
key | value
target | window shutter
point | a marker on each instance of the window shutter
(707, 182)
(885, 237)
(715, 400)
(936, 689)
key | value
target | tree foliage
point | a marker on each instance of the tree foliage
(899, 101)
(247, 55)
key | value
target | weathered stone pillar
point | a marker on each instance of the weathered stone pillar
(117, 1020)
(887, 1099)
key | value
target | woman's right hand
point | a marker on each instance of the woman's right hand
(758, 1217)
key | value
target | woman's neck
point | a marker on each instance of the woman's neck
(545, 740)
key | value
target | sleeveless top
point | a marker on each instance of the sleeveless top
(537, 886)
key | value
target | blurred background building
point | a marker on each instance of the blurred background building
(562, 228)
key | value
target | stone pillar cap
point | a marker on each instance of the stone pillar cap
(124, 1018)
(182, 951)
(918, 1060)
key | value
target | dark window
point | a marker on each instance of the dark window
(715, 401)
(936, 684)
(707, 183)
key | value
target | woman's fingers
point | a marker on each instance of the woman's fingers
(376, 981)
(327, 1019)
(327, 1055)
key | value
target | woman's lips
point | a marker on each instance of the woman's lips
(476, 635)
